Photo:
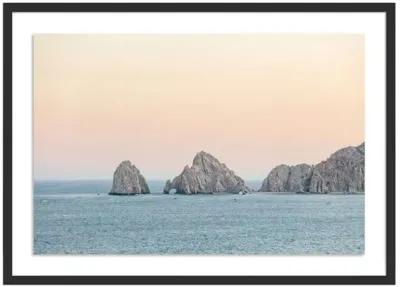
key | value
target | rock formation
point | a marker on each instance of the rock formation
(284, 178)
(128, 180)
(343, 171)
(207, 175)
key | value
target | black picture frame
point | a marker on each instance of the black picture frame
(10, 8)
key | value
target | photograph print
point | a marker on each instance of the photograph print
(198, 144)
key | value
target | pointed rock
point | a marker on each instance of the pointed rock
(206, 175)
(128, 180)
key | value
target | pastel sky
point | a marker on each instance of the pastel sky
(252, 100)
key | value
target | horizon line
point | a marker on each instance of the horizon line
(110, 178)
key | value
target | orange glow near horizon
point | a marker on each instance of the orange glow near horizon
(252, 100)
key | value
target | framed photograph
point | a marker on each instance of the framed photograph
(199, 143)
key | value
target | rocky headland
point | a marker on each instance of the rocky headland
(128, 180)
(206, 176)
(342, 172)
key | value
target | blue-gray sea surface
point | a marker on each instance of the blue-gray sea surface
(79, 217)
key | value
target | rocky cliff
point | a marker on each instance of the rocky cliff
(128, 180)
(206, 175)
(343, 171)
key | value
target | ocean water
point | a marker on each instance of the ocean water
(79, 217)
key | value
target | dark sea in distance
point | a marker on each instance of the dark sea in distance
(79, 217)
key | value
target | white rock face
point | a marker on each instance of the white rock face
(207, 175)
(343, 171)
(128, 180)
